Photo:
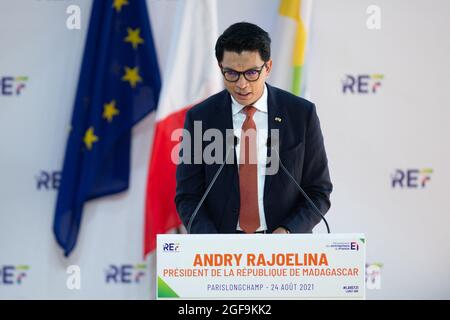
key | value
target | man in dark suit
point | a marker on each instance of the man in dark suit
(244, 198)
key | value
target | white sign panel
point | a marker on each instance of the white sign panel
(261, 266)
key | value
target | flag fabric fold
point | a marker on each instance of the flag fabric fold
(119, 84)
(290, 41)
(190, 76)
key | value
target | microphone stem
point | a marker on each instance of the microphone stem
(191, 220)
(311, 203)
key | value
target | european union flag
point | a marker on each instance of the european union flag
(119, 84)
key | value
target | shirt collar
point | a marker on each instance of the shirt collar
(260, 104)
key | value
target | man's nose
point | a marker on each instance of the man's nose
(242, 82)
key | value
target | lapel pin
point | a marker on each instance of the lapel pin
(277, 119)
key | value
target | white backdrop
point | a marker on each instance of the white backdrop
(371, 138)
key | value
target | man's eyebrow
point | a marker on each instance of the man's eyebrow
(231, 69)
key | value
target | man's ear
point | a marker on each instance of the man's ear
(269, 66)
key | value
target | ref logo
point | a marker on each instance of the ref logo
(48, 180)
(13, 275)
(411, 178)
(125, 273)
(362, 83)
(171, 247)
(12, 86)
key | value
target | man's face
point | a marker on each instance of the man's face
(245, 92)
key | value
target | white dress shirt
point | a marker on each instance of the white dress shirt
(261, 120)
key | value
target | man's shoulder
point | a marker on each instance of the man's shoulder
(208, 105)
(289, 100)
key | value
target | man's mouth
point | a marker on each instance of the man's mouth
(243, 96)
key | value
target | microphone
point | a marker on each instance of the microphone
(308, 199)
(230, 148)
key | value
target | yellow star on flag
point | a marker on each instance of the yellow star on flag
(134, 37)
(118, 4)
(132, 76)
(90, 138)
(110, 110)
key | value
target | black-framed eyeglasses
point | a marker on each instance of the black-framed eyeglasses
(249, 75)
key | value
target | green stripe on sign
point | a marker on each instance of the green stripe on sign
(164, 291)
(297, 80)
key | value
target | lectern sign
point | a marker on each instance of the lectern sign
(261, 266)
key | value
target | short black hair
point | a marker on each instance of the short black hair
(243, 36)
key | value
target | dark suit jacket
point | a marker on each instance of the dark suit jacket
(301, 150)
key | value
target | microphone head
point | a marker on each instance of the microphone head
(272, 143)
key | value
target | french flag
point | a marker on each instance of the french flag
(191, 75)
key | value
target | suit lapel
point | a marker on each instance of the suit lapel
(276, 115)
(223, 113)
(224, 116)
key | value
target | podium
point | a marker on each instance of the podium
(260, 266)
